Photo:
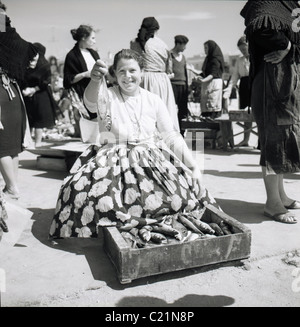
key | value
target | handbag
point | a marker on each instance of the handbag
(77, 103)
(89, 130)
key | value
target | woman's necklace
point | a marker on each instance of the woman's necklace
(136, 122)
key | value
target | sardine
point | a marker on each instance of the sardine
(187, 223)
(158, 238)
(203, 227)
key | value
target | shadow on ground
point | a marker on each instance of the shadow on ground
(234, 174)
(190, 300)
(52, 174)
(244, 212)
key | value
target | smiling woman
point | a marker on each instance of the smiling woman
(132, 176)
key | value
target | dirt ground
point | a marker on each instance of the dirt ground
(73, 273)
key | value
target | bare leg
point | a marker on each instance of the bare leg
(274, 204)
(8, 168)
(284, 198)
(16, 166)
(38, 136)
(245, 141)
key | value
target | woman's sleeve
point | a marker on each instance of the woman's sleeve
(69, 72)
(163, 118)
(270, 40)
(213, 68)
(45, 79)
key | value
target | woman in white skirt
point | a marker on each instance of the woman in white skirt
(211, 80)
(157, 65)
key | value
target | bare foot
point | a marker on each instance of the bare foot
(243, 143)
(286, 218)
(14, 194)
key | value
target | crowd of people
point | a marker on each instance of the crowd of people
(139, 103)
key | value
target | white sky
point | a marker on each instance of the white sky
(118, 21)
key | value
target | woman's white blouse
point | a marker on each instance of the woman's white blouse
(148, 108)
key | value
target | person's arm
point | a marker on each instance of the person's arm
(206, 79)
(193, 69)
(233, 81)
(91, 93)
(81, 76)
(169, 65)
(176, 144)
(275, 44)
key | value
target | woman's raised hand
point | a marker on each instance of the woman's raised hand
(99, 70)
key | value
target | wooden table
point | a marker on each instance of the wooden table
(225, 121)
(209, 128)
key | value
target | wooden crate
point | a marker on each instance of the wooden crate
(132, 264)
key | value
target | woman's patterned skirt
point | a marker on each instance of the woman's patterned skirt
(121, 183)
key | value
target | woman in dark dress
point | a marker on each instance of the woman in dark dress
(38, 98)
(274, 47)
(15, 56)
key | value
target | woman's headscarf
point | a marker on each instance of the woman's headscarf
(15, 53)
(42, 70)
(214, 52)
(149, 26)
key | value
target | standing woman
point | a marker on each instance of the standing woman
(78, 65)
(157, 65)
(15, 56)
(38, 98)
(274, 47)
(241, 73)
(211, 80)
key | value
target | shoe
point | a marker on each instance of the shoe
(11, 194)
(294, 205)
(282, 217)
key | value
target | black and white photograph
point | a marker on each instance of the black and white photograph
(149, 156)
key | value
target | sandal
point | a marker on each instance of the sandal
(294, 205)
(282, 217)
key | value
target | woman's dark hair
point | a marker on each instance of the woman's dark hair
(52, 58)
(81, 32)
(128, 54)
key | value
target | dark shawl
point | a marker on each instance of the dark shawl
(41, 76)
(274, 16)
(214, 60)
(15, 53)
(75, 64)
(149, 26)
